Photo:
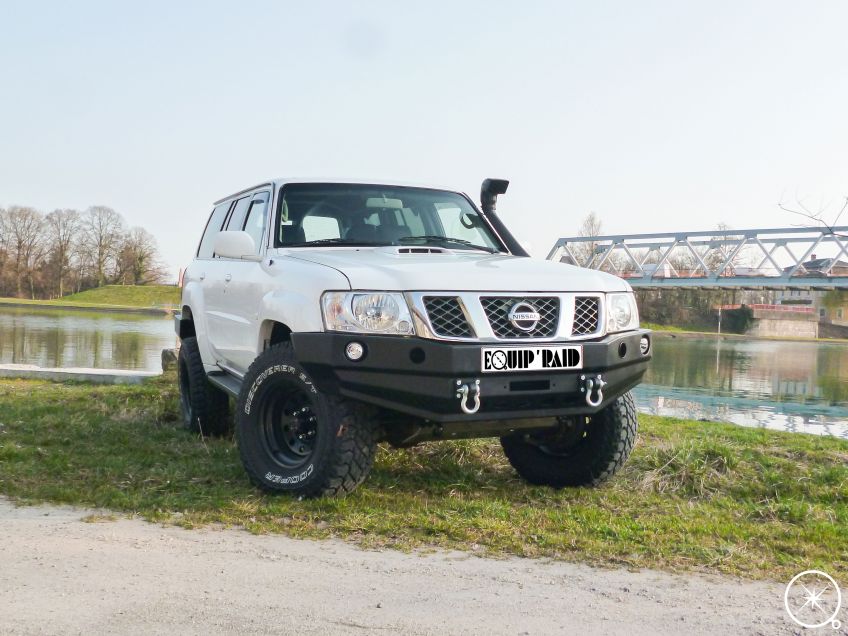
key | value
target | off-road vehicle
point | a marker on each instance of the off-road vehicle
(339, 315)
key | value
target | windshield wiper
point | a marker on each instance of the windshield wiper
(334, 241)
(435, 238)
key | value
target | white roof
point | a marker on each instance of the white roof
(281, 181)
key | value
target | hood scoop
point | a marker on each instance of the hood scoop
(404, 250)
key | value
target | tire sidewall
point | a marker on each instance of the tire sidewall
(187, 391)
(261, 382)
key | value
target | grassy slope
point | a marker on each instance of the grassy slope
(129, 295)
(705, 496)
(655, 327)
(114, 296)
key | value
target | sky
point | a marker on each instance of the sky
(657, 116)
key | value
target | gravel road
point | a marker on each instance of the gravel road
(60, 575)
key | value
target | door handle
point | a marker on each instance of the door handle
(228, 277)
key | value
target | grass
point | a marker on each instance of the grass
(112, 297)
(702, 496)
(656, 327)
(129, 295)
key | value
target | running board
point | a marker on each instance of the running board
(226, 382)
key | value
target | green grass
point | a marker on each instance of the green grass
(129, 295)
(700, 496)
(655, 327)
(112, 296)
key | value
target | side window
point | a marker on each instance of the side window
(216, 220)
(316, 228)
(255, 224)
(236, 222)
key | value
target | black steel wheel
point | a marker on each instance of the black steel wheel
(581, 451)
(205, 408)
(289, 427)
(293, 438)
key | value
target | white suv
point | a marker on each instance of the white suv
(339, 315)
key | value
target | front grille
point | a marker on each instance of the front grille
(497, 310)
(446, 317)
(586, 315)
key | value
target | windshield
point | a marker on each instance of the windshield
(342, 214)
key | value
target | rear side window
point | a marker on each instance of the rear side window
(236, 223)
(216, 220)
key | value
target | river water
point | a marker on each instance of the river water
(781, 385)
(53, 338)
(791, 386)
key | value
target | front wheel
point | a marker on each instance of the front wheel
(293, 438)
(581, 451)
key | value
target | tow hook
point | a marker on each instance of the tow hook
(463, 391)
(593, 385)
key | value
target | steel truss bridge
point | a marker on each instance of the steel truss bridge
(782, 258)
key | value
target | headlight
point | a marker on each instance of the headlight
(622, 314)
(367, 312)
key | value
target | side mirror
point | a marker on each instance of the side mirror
(235, 245)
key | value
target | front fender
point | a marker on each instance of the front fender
(294, 298)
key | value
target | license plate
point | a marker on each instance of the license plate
(515, 359)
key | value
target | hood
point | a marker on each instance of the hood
(395, 269)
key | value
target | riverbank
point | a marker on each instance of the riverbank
(138, 299)
(682, 332)
(694, 496)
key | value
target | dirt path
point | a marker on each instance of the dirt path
(59, 575)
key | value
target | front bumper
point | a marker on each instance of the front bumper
(419, 377)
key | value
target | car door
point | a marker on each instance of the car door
(235, 289)
(221, 318)
(246, 286)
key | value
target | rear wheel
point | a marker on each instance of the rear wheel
(293, 438)
(205, 408)
(581, 451)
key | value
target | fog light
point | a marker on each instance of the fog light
(644, 345)
(354, 351)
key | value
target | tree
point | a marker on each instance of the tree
(590, 227)
(137, 261)
(102, 229)
(22, 233)
(62, 229)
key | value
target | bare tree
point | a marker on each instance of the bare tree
(102, 228)
(137, 261)
(23, 238)
(817, 217)
(591, 226)
(62, 229)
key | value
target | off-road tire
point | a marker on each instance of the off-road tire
(343, 438)
(205, 408)
(604, 447)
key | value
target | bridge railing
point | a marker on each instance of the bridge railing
(781, 257)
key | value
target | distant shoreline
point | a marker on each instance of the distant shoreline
(675, 333)
(65, 306)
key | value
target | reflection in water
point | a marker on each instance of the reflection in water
(794, 386)
(52, 338)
